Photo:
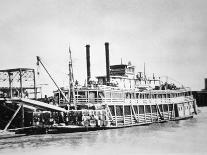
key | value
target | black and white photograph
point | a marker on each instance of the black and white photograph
(103, 77)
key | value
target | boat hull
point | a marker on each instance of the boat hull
(73, 128)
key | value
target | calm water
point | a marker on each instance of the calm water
(181, 137)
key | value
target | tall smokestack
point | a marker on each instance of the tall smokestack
(107, 63)
(88, 63)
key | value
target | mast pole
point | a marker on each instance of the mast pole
(69, 76)
(71, 79)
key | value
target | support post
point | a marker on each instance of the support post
(138, 113)
(158, 109)
(110, 113)
(20, 80)
(168, 111)
(115, 114)
(35, 89)
(145, 114)
(163, 113)
(123, 114)
(134, 113)
(151, 112)
(131, 115)
(158, 112)
(173, 111)
(10, 84)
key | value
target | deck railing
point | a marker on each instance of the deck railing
(98, 100)
(94, 100)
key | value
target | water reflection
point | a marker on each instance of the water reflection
(185, 136)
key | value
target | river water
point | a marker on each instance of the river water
(176, 137)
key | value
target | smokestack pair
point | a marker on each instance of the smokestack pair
(89, 65)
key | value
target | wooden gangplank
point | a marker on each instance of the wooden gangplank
(39, 104)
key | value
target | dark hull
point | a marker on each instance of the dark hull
(72, 128)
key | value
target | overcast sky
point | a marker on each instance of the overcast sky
(168, 35)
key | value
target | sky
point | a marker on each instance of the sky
(168, 35)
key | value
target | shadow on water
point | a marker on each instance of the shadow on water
(130, 140)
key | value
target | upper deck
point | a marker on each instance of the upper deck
(124, 77)
(106, 94)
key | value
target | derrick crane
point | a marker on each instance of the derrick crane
(40, 62)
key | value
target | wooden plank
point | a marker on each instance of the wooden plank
(158, 108)
(42, 105)
(151, 112)
(168, 111)
(131, 115)
(138, 113)
(163, 111)
(145, 114)
(134, 113)
(173, 110)
(115, 114)
(123, 115)
(110, 112)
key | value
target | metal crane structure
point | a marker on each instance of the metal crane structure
(40, 62)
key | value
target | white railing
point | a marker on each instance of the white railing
(97, 100)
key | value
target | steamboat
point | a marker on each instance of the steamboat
(121, 98)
